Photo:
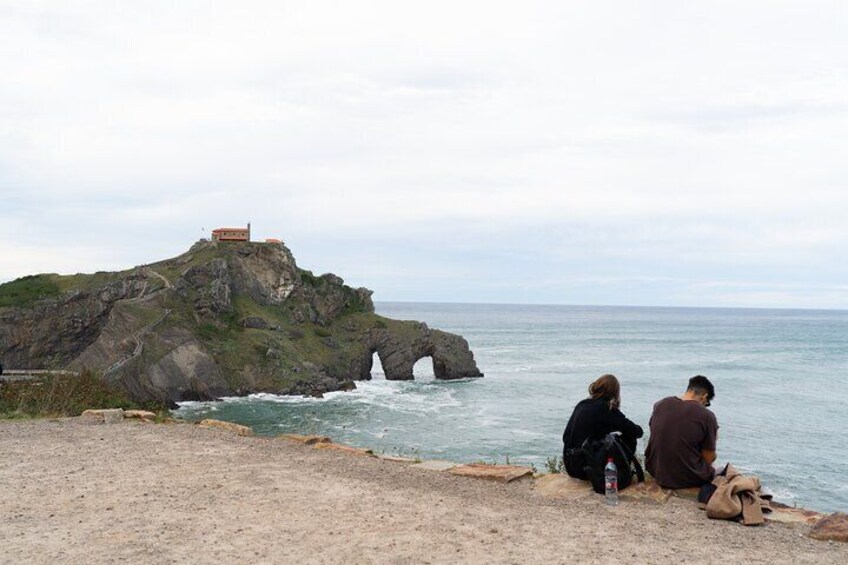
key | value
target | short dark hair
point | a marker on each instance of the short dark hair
(700, 384)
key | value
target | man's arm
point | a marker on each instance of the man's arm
(708, 446)
(709, 455)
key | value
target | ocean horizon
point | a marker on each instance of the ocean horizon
(416, 303)
(779, 377)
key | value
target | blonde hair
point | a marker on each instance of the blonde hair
(607, 388)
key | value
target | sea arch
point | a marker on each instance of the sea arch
(403, 344)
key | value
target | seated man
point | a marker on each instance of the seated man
(682, 445)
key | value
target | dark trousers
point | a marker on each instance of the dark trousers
(575, 462)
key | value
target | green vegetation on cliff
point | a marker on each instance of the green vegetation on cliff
(274, 351)
(25, 291)
(63, 396)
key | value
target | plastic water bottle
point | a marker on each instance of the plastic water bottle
(611, 483)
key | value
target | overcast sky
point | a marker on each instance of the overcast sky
(645, 153)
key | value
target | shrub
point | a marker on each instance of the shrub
(554, 465)
(306, 277)
(27, 290)
(63, 395)
(354, 304)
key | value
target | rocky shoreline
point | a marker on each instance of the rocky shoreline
(77, 489)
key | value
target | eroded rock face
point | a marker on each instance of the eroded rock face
(268, 274)
(399, 348)
(210, 287)
(52, 333)
(184, 371)
(324, 299)
(223, 319)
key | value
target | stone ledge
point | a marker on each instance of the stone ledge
(498, 473)
(398, 459)
(103, 416)
(649, 491)
(229, 426)
(174, 421)
(831, 528)
(344, 449)
(690, 493)
(434, 465)
(304, 439)
(556, 485)
(140, 414)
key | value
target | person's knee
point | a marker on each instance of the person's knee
(574, 468)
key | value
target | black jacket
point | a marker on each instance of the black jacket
(593, 418)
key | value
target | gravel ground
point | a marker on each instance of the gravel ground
(77, 492)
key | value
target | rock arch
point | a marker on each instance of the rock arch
(401, 344)
(423, 368)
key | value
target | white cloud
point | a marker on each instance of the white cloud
(692, 137)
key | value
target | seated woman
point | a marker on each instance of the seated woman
(594, 418)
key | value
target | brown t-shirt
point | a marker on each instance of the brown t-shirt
(680, 430)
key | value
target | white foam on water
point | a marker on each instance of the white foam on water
(192, 406)
(189, 404)
(287, 399)
(404, 396)
(410, 397)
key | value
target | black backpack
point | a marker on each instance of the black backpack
(598, 451)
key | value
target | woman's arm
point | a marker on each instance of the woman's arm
(620, 423)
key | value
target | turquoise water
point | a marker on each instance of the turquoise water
(781, 380)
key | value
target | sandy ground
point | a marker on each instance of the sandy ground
(76, 492)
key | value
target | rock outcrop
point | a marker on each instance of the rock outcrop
(497, 473)
(237, 429)
(400, 347)
(831, 528)
(51, 333)
(221, 319)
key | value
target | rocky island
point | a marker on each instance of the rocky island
(224, 318)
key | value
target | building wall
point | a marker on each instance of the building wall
(234, 235)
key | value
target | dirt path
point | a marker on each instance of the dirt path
(75, 492)
(161, 277)
(139, 343)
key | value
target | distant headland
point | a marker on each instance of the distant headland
(227, 317)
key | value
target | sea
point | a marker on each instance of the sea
(781, 379)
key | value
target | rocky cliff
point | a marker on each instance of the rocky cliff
(221, 319)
